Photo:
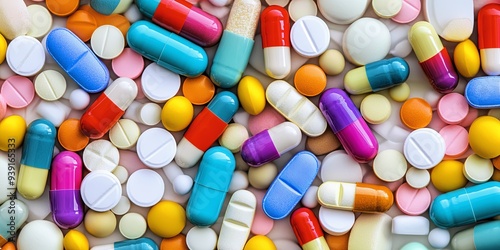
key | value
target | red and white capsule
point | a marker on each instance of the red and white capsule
(306, 227)
(275, 31)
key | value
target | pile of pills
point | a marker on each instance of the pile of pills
(248, 124)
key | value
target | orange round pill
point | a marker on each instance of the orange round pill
(177, 242)
(310, 80)
(9, 246)
(70, 137)
(62, 7)
(415, 113)
(83, 24)
(496, 162)
(199, 90)
(337, 242)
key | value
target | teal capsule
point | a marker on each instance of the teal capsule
(36, 159)
(481, 237)
(167, 49)
(137, 244)
(13, 214)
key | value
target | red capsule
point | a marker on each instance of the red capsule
(306, 227)
(275, 31)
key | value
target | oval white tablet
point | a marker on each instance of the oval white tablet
(337, 11)
(145, 187)
(25, 55)
(410, 225)
(101, 155)
(101, 190)
(159, 84)
(424, 148)
(310, 36)
(107, 42)
(156, 147)
(335, 222)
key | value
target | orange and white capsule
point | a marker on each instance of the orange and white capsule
(275, 31)
(108, 108)
(356, 197)
(306, 227)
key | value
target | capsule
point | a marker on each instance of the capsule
(346, 122)
(13, 214)
(107, 7)
(236, 44)
(206, 128)
(141, 243)
(377, 76)
(306, 227)
(433, 57)
(480, 237)
(107, 109)
(210, 187)
(466, 205)
(270, 144)
(488, 37)
(356, 197)
(36, 158)
(65, 200)
(183, 18)
(167, 49)
(275, 31)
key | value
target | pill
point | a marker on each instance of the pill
(13, 129)
(387, 8)
(310, 36)
(453, 20)
(481, 92)
(478, 237)
(100, 155)
(433, 57)
(199, 90)
(145, 113)
(414, 246)
(352, 132)
(290, 185)
(101, 190)
(483, 137)
(70, 137)
(177, 113)
(106, 8)
(307, 230)
(65, 200)
(336, 12)
(424, 148)
(356, 197)
(365, 41)
(456, 139)
(15, 19)
(309, 199)
(166, 219)
(99, 224)
(16, 208)
(76, 58)
(409, 11)
(337, 242)
(176, 242)
(400, 93)
(260, 242)
(375, 108)
(124, 134)
(107, 42)
(410, 225)
(439, 238)
(332, 62)
(310, 80)
(448, 176)
(62, 8)
(122, 207)
(128, 64)
(50, 85)
(339, 166)
(233, 137)
(3, 48)
(275, 31)
(18, 91)
(299, 9)
(235, 46)
(262, 176)
(203, 238)
(107, 109)
(40, 21)
(466, 58)
(415, 113)
(251, 94)
(75, 239)
(79, 99)
(335, 222)
(159, 84)
(132, 226)
(156, 147)
(477, 169)
(323, 144)
(178, 54)
(417, 178)
(48, 231)
(452, 108)
(488, 42)
(371, 231)
(390, 165)
(412, 201)
(145, 187)
(181, 183)
(25, 56)
(377, 76)
(121, 173)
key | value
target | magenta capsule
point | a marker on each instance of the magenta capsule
(184, 19)
(346, 122)
(270, 144)
(65, 200)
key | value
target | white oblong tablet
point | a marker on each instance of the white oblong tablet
(477, 169)
(390, 165)
(418, 178)
(410, 225)
(41, 21)
(341, 167)
(156, 147)
(201, 238)
(101, 155)
(159, 84)
(25, 55)
(337, 11)
(50, 85)
(335, 222)
(101, 190)
(310, 36)
(145, 187)
(452, 19)
(424, 148)
(107, 42)
(366, 40)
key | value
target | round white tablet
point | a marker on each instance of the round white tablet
(339, 166)
(101, 155)
(150, 114)
(310, 199)
(122, 207)
(439, 238)
(310, 36)
(477, 169)
(107, 42)
(50, 85)
(338, 12)
(79, 99)
(301, 8)
(101, 190)
(424, 148)
(334, 221)
(159, 84)
(25, 55)
(40, 234)
(387, 8)
(239, 181)
(145, 187)
(156, 147)
(418, 178)
(201, 238)
(124, 134)
(132, 226)
(390, 165)
(121, 173)
(366, 40)
(41, 21)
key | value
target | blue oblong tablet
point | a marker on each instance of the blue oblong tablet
(76, 58)
(483, 92)
(290, 185)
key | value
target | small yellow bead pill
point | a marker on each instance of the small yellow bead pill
(251, 95)
(332, 62)
(448, 176)
(12, 133)
(177, 113)
(75, 240)
(100, 224)
(260, 242)
(400, 93)
(375, 108)
(466, 58)
(484, 137)
(166, 219)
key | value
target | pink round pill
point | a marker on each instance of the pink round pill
(452, 108)
(3, 107)
(456, 139)
(409, 11)
(128, 64)
(18, 91)
(267, 119)
(471, 116)
(412, 201)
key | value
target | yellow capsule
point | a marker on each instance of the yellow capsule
(75, 240)
(177, 113)
(3, 48)
(260, 242)
(484, 137)
(424, 40)
(13, 129)
(466, 58)
(251, 95)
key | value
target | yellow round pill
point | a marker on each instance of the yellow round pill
(448, 176)
(466, 58)
(375, 108)
(484, 137)
(400, 93)
(124, 134)
(3, 48)
(260, 242)
(251, 95)
(100, 224)
(177, 113)
(332, 62)
(12, 133)
(166, 219)
(75, 240)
